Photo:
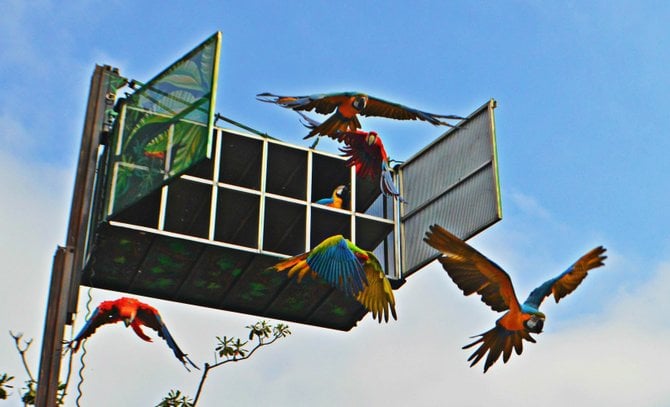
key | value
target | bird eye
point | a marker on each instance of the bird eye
(535, 324)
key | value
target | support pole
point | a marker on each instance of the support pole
(69, 260)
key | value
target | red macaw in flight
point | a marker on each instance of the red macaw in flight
(133, 313)
(345, 107)
(366, 152)
(352, 270)
(336, 200)
(473, 272)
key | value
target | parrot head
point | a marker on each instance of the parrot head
(535, 323)
(371, 138)
(127, 314)
(360, 102)
(339, 191)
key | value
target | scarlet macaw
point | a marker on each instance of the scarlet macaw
(133, 313)
(346, 106)
(366, 152)
(336, 200)
(473, 272)
(347, 267)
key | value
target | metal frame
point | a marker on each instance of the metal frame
(217, 185)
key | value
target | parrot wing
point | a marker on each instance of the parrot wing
(150, 317)
(497, 341)
(323, 103)
(387, 185)
(367, 158)
(569, 280)
(334, 127)
(472, 271)
(334, 260)
(383, 108)
(377, 296)
(105, 313)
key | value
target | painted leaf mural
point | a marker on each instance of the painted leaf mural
(165, 127)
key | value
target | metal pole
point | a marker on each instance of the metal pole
(69, 260)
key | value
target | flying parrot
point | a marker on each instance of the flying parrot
(352, 270)
(336, 200)
(346, 106)
(473, 272)
(365, 151)
(133, 313)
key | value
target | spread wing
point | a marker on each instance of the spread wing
(569, 280)
(383, 108)
(149, 316)
(326, 103)
(105, 313)
(323, 103)
(377, 296)
(472, 271)
(333, 260)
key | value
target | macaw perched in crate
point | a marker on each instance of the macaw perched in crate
(336, 200)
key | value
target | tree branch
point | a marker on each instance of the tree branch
(231, 348)
(22, 352)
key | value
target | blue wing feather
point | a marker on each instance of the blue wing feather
(538, 295)
(338, 265)
(567, 281)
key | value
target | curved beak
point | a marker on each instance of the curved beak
(127, 321)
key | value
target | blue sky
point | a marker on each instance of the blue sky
(582, 94)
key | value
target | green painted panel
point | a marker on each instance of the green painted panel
(165, 127)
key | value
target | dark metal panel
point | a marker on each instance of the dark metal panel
(240, 160)
(188, 208)
(287, 171)
(284, 227)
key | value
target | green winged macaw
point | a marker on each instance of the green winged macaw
(133, 313)
(348, 268)
(337, 198)
(365, 151)
(473, 272)
(345, 107)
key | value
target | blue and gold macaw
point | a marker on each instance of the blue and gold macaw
(365, 151)
(345, 107)
(348, 268)
(473, 272)
(336, 200)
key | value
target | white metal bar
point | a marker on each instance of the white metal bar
(215, 189)
(352, 202)
(397, 233)
(164, 190)
(261, 209)
(182, 236)
(308, 207)
(163, 207)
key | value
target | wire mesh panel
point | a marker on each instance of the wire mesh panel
(452, 182)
